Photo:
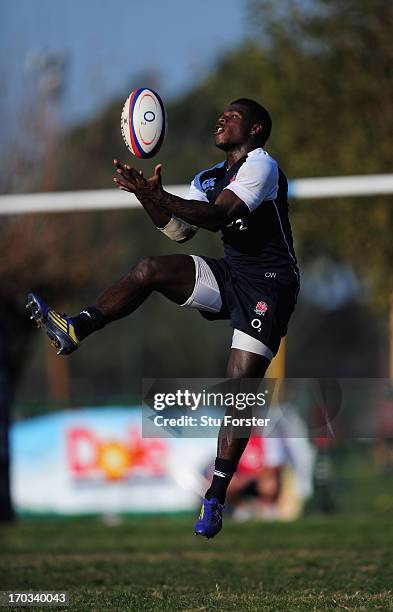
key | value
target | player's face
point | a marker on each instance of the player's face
(232, 128)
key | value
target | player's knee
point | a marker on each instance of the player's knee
(147, 271)
(236, 370)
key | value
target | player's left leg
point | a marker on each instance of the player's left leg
(242, 365)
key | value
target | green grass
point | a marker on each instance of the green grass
(157, 564)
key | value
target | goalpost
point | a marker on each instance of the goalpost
(106, 199)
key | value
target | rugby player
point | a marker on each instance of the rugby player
(255, 285)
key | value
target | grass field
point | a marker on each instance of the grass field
(157, 564)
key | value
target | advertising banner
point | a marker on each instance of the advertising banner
(97, 461)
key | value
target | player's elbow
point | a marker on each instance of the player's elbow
(217, 223)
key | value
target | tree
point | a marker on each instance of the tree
(333, 60)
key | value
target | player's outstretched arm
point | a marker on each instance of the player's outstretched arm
(161, 218)
(226, 209)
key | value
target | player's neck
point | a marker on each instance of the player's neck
(235, 154)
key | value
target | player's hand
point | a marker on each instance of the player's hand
(154, 181)
(132, 180)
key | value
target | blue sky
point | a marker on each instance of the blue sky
(108, 44)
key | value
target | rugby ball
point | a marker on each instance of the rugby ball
(143, 122)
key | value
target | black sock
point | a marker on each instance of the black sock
(224, 469)
(88, 321)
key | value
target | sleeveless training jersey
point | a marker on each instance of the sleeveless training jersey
(264, 237)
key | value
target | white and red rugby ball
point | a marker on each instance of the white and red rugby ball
(143, 122)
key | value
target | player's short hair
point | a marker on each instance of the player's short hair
(259, 114)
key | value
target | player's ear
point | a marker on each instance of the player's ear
(256, 129)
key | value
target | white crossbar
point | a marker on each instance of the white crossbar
(103, 199)
(362, 185)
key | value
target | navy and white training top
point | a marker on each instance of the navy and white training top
(263, 237)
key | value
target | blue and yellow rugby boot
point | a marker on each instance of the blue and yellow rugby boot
(209, 522)
(58, 326)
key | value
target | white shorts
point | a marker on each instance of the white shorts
(206, 296)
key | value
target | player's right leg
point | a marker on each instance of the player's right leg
(243, 366)
(170, 275)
